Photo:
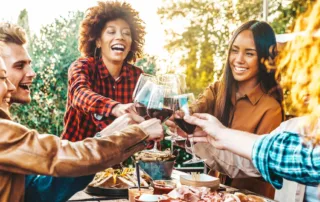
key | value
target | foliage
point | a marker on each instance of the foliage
(204, 39)
(52, 52)
(286, 14)
(148, 64)
(209, 25)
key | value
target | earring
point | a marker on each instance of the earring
(95, 52)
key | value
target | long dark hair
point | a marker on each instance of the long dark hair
(264, 39)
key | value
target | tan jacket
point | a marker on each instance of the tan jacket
(257, 112)
(24, 151)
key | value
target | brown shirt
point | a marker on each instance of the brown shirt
(256, 112)
(24, 151)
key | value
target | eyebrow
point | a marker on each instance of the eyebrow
(115, 27)
(247, 49)
(23, 62)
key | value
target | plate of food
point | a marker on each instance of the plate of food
(115, 182)
(158, 165)
(190, 193)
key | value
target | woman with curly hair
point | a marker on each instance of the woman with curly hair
(101, 82)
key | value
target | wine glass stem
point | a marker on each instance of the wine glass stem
(173, 139)
(155, 145)
(192, 148)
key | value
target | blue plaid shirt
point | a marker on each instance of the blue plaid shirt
(284, 155)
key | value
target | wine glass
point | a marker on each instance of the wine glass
(183, 102)
(160, 106)
(143, 78)
(174, 81)
(175, 84)
(142, 98)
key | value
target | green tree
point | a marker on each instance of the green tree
(52, 52)
(23, 21)
(204, 39)
(148, 64)
(209, 26)
(285, 15)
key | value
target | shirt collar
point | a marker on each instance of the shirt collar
(253, 96)
(104, 72)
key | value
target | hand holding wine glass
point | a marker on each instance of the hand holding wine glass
(182, 109)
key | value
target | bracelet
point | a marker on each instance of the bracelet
(97, 135)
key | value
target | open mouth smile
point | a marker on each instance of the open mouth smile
(118, 47)
(25, 86)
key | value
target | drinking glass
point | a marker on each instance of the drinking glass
(175, 85)
(142, 98)
(183, 102)
(143, 78)
(160, 106)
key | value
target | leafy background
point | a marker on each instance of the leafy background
(203, 43)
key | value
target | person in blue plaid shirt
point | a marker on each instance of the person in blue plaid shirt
(292, 151)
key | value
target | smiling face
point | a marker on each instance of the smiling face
(115, 41)
(19, 71)
(243, 58)
(6, 87)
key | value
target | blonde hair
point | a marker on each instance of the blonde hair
(299, 66)
(11, 33)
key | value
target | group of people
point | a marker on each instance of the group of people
(238, 117)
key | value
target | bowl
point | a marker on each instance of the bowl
(163, 186)
(151, 198)
(158, 170)
(202, 180)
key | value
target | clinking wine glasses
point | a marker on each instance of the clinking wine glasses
(182, 105)
(160, 106)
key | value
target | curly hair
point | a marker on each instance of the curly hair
(299, 66)
(95, 19)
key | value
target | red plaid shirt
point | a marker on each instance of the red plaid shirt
(92, 93)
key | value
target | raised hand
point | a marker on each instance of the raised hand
(153, 128)
(121, 109)
(120, 123)
(211, 128)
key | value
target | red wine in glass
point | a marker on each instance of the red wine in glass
(186, 127)
(141, 109)
(162, 114)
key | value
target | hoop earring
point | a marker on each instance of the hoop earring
(95, 53)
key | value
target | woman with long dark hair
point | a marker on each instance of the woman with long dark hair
(247, 97)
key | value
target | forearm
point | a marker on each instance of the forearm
(26, 152)
(238, 142)
(81, 93)
(225, 161)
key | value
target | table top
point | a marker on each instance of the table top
(83, 196)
